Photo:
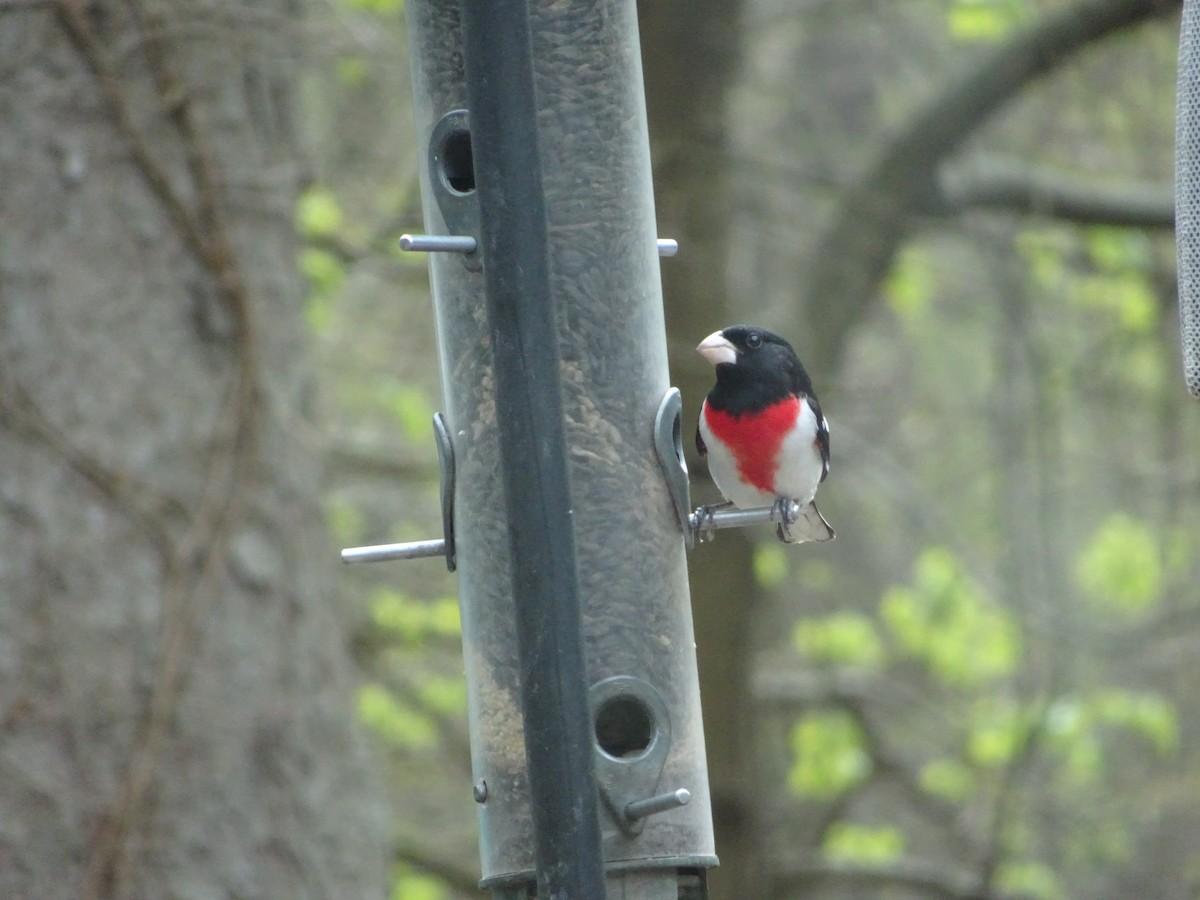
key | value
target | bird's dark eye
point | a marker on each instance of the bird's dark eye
(753, 339)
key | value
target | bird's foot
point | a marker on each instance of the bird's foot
(785, 510)
(706, 528)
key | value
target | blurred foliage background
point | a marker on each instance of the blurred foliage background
(985, 687)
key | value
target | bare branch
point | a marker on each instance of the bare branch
(1025, 187)
(855, 251)
(1006, 795)
(791, 688)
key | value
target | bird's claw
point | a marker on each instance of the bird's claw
(786, 511)
(705, 521)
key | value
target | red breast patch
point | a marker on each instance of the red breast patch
(754, 439)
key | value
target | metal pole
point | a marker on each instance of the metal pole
(521, 314)
(1187, 192)
(390, 552)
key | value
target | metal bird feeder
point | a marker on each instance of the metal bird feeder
(1187, 192)
(564, 494)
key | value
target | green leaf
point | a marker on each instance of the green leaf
(1127, 297)
(444, 695)
(1121, 570)
(1069, 726)
(318, 213)
(909, 286)
(1045, 252)
(413, 620)
(393, 721)
(1029, 879)
(846, 842)
(379, 7)
(410, 884)
(840, 639)
(770, 564)
(976, 23)
(1150, 715)
(1073, 728)
(829, 755)
(984, 20)
(323, 270)
(408, 405)
(948, 778)
(1114, 249)
(352, 72)
(1083, 758)
(945, 621)
(999, 729)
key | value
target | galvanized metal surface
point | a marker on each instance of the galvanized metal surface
(1187, 192)
(608, 326)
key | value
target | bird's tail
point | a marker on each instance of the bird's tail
(810, 525)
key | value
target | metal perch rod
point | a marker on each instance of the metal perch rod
(385, 552)
(703, 519)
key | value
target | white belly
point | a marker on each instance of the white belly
(797, 475)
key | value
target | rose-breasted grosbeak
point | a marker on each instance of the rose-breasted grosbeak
(762, 429)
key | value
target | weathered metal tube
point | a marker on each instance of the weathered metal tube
(603, 264)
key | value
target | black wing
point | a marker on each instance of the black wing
(700, 447)
(822, 434)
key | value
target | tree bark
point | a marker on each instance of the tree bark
(175, 700)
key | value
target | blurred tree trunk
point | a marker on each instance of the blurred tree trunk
(175, 702)
(691, 53)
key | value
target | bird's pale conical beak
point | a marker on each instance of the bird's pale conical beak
(717, 349)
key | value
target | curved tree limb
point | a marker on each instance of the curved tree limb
(871, 221)
(1026, 187)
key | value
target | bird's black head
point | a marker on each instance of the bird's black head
(755, 368)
